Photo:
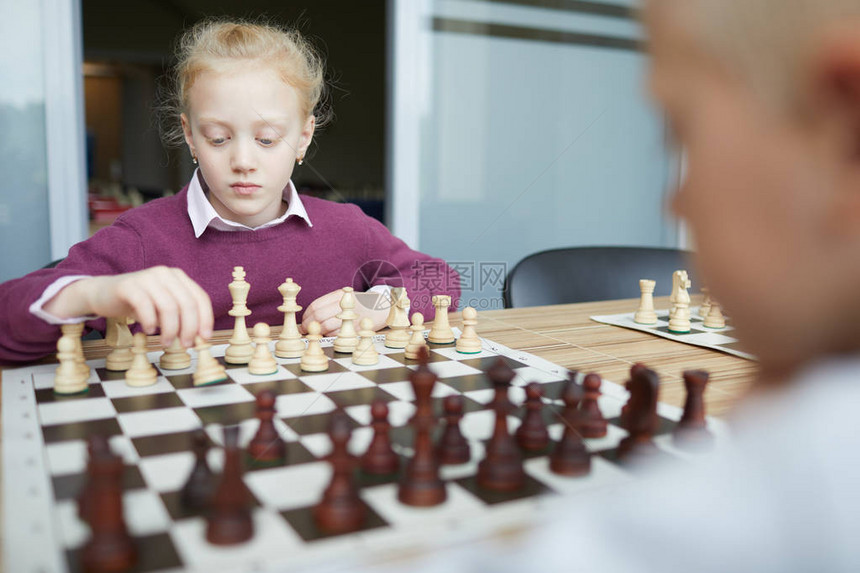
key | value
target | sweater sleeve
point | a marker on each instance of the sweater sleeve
(391, 262)
(23, 335)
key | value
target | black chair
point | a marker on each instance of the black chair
(583, 274)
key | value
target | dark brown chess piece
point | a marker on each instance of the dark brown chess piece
(110, 548)
(635, 370)
(453, 447)
(266, 447)
(641, 419)
(502, 467)
(532, 434)
(96, 445)
(421, 485)
(570, 457)
(692, 430)
(380, 459)
(590, 422)
(341, 509)
(229, 520)
(196, 494)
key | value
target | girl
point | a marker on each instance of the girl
(244, 103)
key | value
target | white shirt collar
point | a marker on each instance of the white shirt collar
(203, 214)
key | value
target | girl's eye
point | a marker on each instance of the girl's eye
(265, 141)
(217, 140)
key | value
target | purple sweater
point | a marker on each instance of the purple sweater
(343, 248)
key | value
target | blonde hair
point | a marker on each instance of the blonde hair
(213, 43)
(766, 42)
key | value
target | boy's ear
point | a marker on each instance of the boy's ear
(836, 88)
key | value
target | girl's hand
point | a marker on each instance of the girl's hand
(326, 308)
(157, 298)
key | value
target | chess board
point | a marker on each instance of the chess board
(44, 460)
(716, 339)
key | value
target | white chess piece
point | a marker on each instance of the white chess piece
(175, 357)
(314, 359)
(75, 331)
(290, 344)
(469, 342)
(68, 379)
(416, 342)
(240, 350)
(347, 339)
(209, 370)
(646, 314)
(395, 293)
(715, 318)
(679, 322)
(262, 363)
(118, 337)
(706, 304)
(365, 352)
(441, 332)
(397, 336)
(141, 373)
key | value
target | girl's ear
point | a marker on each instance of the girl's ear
(186, 129)
(307, 134)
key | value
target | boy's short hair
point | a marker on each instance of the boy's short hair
(765, 42)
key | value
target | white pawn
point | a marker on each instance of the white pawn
(441, 332)
(209, 370)
(141, 372)
(365, 352)
(715, 318)
(397, 336)
(175, 357)
(314, 359)
(646, 314)
(75, 331)
(118, 337)
(263, 362)
(68, 379)
(469, 342)
(290, 343)
(347, 339)
(417, 342)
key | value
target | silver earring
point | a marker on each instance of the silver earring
(300, 159)
(193, 159)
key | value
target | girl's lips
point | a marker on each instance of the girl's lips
(244, 189)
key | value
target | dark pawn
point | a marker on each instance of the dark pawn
(641, 420)
(532, 434)
(502, 468)
(229, 522)
(570, 456)
(380, 459)
(266, 447)
(635, 370)
(341, 509)
(110, 548)
(591, 422)
(692, 430)
(97, 445)
(421, 485)
(196, 494)
(453, 448)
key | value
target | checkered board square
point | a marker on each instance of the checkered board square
(44, 456)
(720, 339)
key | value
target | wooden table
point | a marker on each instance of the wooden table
(564, 334)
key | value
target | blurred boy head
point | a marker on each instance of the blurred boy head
(764, 98)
